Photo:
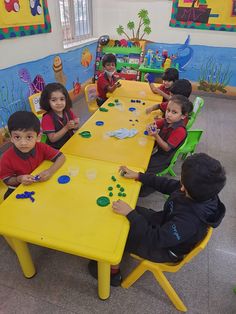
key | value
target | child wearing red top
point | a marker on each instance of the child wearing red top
(179, 87)
(59, 122)
(169, 77)
(169, 132)
(27, 153)
(107, 81)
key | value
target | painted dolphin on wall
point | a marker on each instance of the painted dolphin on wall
(184, 55)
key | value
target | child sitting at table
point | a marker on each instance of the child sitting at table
(169, 132)
(107, 81)
(193, 205)
(170, 76)
(59, 122)
(179, 87)
(27, 153)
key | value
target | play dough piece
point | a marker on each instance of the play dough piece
(132, 109)
(103, 109)
(63, 179)
(85, 134)
(99, 123)
(103, 201)
(111, 104)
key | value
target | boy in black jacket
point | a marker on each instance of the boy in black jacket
(193, 205)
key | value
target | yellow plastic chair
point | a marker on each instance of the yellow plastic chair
(158, 270)
(197, 107)
(90, 92)
(35, 106)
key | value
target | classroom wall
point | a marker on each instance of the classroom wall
(120, 12)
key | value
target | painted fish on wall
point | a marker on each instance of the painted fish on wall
(58, 71)
(86, 58)
(184, 55)
(35, 86)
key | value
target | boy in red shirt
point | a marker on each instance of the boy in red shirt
(27, 153)
(169, 132)
(107, 81)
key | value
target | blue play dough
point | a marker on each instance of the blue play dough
(132, 109)
(63, 179)
(99, 123)
(145, 132)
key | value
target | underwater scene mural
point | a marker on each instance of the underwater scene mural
(18, 82)
(211, 69)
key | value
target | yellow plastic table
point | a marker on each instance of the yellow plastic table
(66, 217)
(134, 151)
(136, 90)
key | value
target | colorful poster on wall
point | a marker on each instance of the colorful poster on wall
(204, 14)
(23, 17)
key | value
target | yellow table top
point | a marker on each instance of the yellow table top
(66, 217)
(136, 90)
(134, 151)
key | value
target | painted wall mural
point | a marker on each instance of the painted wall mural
(204, 14)
(23, 17)
(211, 69)
(17, 83)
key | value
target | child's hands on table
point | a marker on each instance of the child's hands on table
(122, 208)
(127, 173)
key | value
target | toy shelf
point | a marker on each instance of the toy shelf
(128, 61)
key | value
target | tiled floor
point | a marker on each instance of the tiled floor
(63, 285)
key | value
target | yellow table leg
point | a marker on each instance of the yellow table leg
(9, 241)
(104, 270)
(24, 257)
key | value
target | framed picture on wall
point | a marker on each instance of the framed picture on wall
(204, 14)
(23, 17)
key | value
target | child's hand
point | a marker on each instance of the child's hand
(121, 208)
(127, 173)
(26, 179)
(151, 78)
(152, 129)
(149, 110)
(44, 175)
(118, 84)
(146, 77)
(70, 125)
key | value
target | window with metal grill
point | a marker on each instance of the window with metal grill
(76, 20)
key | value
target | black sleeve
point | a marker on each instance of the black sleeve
(170, 234)
(161, 184)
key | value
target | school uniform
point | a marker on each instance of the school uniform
(174, 135)
(102, 86)
(15, 163)
(52, 123)
(169, 234)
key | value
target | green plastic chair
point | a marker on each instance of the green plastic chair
(197, 106)
(43, 138)
(188, 147)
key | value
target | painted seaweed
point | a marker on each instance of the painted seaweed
(213, 77)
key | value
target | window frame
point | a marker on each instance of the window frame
(70, 39)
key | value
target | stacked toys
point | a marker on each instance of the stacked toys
(156, 60)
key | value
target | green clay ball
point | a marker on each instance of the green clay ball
(111, 104)
(113, 178)
(110, 188)
(110, 194)
(85, 134)
(103, 109)
(103, 201)
(124, 194)
(122, 189)
(118, 186)
(120, 194)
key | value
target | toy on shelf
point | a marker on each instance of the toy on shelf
(129, 55)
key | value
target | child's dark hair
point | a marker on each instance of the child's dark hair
(170, 74)
(181, 87)
(184, 103)
(202, 176)
(46, 95)
(23, 121)
(108, 58)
